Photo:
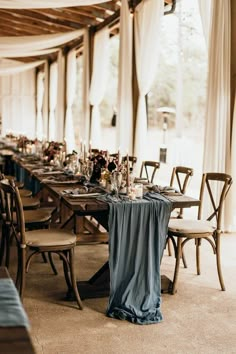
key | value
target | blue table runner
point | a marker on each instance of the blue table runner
(137, 238)
(12, 313)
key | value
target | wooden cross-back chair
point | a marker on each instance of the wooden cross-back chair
(40, 241)
(180, 179)
(149, 167)
(185, 230)
(132, 160)
(35, 218)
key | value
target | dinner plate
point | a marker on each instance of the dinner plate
(84, 195)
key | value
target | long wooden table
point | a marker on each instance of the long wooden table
(98, 284)
(72, 213)
(14, 340)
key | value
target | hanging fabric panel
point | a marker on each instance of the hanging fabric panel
(53, 100)
(70, 95)
(147, 28)
(99, 82)
(39, 105)
(124, 99)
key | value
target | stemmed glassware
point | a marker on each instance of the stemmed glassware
(88, 170)
(116, 182)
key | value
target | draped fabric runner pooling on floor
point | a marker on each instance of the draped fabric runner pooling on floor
(12, 313)
(137, 238)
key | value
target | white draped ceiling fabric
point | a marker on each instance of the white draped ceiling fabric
(19, 54)
(148, 15)
(124, 99)
(9, 68)
(39, 105)
(217, 128)
(45, 4)
(70, 95)
(98, 83)
(53, 75)
(11, 45)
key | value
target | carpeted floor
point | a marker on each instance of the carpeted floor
(199, 319)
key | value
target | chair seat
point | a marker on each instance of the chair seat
(190, 228)
(35, 216)
(30, 203)
(50, 238)
(25, 193)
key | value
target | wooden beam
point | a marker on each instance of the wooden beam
(34, 21)
(30, 26)
(47, 19)
(63, 16)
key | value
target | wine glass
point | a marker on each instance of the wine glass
(89, 170)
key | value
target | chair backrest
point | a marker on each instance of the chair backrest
(181, 176)
(217, 186)
(149, 167)
(132, 160)
(13, 206)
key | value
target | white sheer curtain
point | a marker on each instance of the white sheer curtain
(125, 99)
(231, 205)
(44, 4)
(17, 94)
(39, 105)
(217, 129)
(217, 126)
(98, 82)
(205, 8)
(61, 87)
(85, 87)
(53, 85)
(147, 23)
(9, 67)
(70, 95)
(11, 45)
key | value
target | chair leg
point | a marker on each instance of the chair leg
(44, 257)
(73, 279)
(218, 262)
(198, 244)
(2, 246)
(177, 264)
(20, 281)
(66, 270)
(52, 263)
(169, 247)
(184, 259)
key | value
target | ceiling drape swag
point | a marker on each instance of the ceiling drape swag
(39, 105)
(99, 82)
(124, 121)
(52, 100)
(217, 126)
(11, 68)
(85, 93)
(147, 28)
(44, 4)
(70, 95)
(12, 45)
(19, 54)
